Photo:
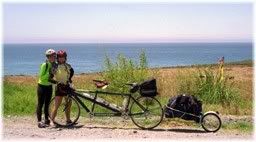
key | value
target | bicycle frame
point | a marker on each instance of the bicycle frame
(115, 112)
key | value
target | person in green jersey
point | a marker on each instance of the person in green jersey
(44, 89)
(62, 77)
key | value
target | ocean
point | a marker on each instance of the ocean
(25, 59)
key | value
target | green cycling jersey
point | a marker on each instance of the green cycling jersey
(44, 74)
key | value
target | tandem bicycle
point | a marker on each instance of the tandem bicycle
(145, 110)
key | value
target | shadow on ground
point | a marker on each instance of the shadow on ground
(180, 130)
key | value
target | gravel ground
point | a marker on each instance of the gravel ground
(114, 128)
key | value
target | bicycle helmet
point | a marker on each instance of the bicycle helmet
(61, 53)
(49, 52)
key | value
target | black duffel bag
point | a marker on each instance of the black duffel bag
(184, 103)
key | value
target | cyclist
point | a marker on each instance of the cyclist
(44, 89)
(62, 74)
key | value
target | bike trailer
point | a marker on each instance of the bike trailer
(148, 88)
(188, 107)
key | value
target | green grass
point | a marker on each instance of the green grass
(19, 99)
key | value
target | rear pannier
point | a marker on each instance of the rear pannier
(148, 88)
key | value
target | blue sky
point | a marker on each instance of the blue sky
(138, 22)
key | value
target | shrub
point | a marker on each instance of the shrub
(125, 70)
(207, 85)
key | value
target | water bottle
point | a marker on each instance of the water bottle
(102, 101)
(88, 95)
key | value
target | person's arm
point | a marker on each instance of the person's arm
(51, 75)
(51, 79)
(71, 74)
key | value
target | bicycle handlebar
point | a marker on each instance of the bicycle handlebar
(129, 84)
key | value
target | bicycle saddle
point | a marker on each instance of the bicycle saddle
(100, 83)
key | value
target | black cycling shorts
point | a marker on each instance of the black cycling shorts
(61, 90)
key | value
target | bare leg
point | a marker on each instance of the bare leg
(58, 100)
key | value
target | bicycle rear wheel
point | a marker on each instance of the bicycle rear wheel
(211, 122)
(63, 111)
(146, 112)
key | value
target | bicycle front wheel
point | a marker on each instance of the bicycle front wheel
(211, 122)
(146, 112)
(68, 108)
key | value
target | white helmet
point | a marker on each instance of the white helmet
(50, 52)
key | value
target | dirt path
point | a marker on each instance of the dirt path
(110, 128)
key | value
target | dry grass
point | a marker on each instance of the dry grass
(243, 77)
(167, 83)
(166, 79)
